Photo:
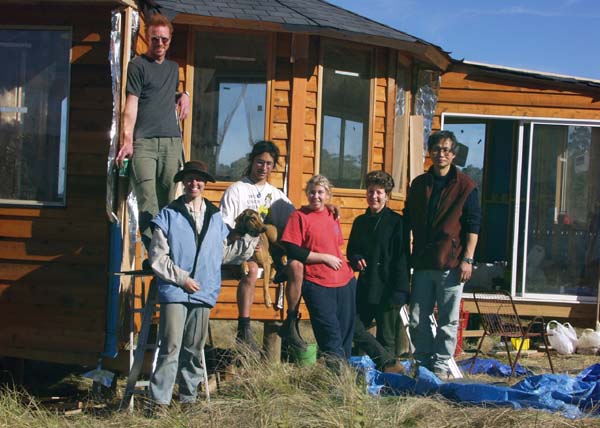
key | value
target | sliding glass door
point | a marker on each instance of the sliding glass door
(559, 247)
(539, 184)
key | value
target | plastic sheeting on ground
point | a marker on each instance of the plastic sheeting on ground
(491, 367)
(573, 397)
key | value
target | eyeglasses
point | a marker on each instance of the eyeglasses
(262, 163)
(157, 40)
(442, 150)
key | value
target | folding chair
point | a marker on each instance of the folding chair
(499, 317)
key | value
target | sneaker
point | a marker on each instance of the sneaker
(290, 335)
(394, 367)
(442, 374)
(245, 338)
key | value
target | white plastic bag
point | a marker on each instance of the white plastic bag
(589, 342)
(562, 337)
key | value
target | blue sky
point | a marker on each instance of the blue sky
(555, 36)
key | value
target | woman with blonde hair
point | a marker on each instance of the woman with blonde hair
(313, 236)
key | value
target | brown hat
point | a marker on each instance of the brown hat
(194, 167)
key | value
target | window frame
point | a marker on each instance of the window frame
(524, 137)
(337, 190)
(270, 53)
(62, 167)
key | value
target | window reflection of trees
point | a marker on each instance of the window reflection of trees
(34, 85)
(229, 100)
(345, 113)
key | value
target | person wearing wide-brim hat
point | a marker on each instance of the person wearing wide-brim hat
(185, 254)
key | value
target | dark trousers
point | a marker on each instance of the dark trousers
(381, 349)
(332, 312)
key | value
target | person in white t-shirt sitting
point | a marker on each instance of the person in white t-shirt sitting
(255, 192)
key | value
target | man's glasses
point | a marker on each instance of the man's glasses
(442, 150)
(157, 40)
(262, 163)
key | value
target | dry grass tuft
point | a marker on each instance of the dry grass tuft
(261, 394)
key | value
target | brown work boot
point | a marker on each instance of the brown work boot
(393, 367)
(290, 335)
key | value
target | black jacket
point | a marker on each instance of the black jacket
(383, 242)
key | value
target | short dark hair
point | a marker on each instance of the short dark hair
(258, 149)
(380, 178)
(438, 136)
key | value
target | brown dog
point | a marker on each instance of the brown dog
(249, 222)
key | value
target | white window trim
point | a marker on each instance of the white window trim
(531, 120)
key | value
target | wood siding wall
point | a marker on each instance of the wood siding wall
(294, 125)
(470, 90)
(53, 261)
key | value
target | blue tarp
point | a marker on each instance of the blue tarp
(573, 397)
(491, 367)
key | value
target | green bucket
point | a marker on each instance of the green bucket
(308, 357)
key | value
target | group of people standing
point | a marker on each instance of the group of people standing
(189, 238)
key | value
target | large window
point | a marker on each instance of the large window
(229, 100)
(345, 114)
(563, 211)
(540, 189)
(34, 89)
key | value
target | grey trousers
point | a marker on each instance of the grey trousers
(182, 332)
(155, 162)
(431, 287)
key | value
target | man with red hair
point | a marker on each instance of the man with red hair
(151, 133)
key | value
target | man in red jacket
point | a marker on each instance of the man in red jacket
(443, 212)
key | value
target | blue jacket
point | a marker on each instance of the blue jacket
(198, 252)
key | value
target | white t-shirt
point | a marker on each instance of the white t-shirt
(244, 194)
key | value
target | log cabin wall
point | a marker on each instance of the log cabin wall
(53, 260)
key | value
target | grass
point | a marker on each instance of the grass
(259, 394)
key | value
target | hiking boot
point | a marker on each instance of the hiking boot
(393, 366)
(244, 337)
(290, 335)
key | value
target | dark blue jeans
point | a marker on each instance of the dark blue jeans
(332, 312)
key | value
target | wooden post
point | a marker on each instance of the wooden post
(298, 112)
(272, 341)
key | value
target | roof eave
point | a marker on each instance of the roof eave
(425, 53)
(529, 74)
(131, 3)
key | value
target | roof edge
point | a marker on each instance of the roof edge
(423, 51)
(531, 73)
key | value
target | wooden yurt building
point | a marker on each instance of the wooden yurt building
(338, 93)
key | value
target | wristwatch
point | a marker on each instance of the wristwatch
(468, 260)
